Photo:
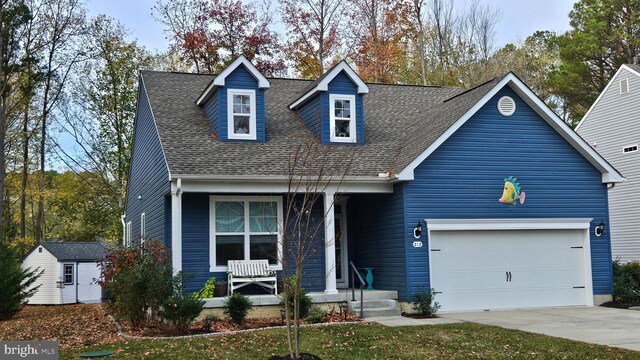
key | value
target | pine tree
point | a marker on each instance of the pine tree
(15, 282)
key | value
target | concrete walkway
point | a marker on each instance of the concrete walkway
(405, 321)
(597, 325)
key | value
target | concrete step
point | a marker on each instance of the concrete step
(378, 312)
(371, 304)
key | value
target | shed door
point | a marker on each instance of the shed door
(88, 290)
(480, 270)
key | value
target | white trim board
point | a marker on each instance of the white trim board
(219, 80)
(508, 224)
(279, 187)
(609, 173)
(324, 84)
(613, 79)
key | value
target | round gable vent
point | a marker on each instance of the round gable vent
(506, 106)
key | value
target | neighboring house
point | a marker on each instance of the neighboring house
(210, 152)
(69, 271)
(612, 127)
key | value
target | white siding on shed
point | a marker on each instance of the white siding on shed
(48, 293)
(612, 124)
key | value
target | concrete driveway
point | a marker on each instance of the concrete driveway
(597, 325)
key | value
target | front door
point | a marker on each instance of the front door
(342, 264)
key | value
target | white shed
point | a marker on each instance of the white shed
(70, 272)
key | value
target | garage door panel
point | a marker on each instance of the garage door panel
(469, 268)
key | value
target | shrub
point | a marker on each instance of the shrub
(422, 302)
(236, 307)
(208, 321)
(626, 281)
(305, 302)
(15, 283)
(316, 315)
(179, 308)
(207, 291)
(138, 279)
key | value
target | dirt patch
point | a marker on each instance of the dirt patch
(418, 316)
(71, 325)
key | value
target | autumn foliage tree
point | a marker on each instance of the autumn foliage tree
(210, 34)
(312, 34)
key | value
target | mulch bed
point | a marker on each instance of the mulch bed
(417, 316)
(72, 325)
(620, 305)
(222, 325)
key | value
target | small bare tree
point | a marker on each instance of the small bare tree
(312, 170)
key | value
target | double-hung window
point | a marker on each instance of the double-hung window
(342, 116)
(68, 274)
(245, 228)
(241, 109)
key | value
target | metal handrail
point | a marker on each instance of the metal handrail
(362, 286)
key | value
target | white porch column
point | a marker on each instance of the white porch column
(330, 244)
(176, 226)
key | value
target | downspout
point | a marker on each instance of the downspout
(124, 229)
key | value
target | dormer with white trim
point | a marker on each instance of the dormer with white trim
(332, 106)
(234, 102)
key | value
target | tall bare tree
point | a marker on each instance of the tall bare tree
(62, 51)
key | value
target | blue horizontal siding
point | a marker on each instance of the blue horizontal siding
(311, 113)
(378, 222)
(148, 175)
(240, 78)
(463, 179)
(211, 110)
(341, 84)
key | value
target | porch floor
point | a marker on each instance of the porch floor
(317, 297)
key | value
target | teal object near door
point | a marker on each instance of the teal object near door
(368, 277)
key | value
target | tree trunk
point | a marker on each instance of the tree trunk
(25, 173)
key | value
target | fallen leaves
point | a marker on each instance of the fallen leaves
(72, 325)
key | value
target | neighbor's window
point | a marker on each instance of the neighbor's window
(342, 118)
(68, 274)
(245, 228)
(242, 114)
(629, 149)
(624, 86)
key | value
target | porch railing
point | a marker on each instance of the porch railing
(354, 272)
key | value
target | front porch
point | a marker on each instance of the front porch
(359, 225)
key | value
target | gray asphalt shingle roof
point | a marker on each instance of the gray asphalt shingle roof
(75, 251)
(400, 122)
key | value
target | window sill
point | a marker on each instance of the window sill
(344, 140)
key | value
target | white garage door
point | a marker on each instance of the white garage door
(480, 270)
(88, 290)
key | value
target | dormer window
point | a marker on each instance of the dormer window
(342, 118)
(242, 114)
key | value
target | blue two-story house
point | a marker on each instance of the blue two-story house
(485, 195)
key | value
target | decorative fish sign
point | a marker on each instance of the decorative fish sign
(511, 193)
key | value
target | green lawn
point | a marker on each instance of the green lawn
(454, 341)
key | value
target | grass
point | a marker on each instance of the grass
(453, 341)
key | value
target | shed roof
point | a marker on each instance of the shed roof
(75, 251)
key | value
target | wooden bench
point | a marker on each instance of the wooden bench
(245, 272)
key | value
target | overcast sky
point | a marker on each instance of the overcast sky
(520, 18)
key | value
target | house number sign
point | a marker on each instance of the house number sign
(417, 244)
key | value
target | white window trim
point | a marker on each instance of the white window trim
(332, 118)
(143, 225)
(626, 82)
(629, 147)
(213, 267)
(127, 239)
(252, 116)
(73, 274)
